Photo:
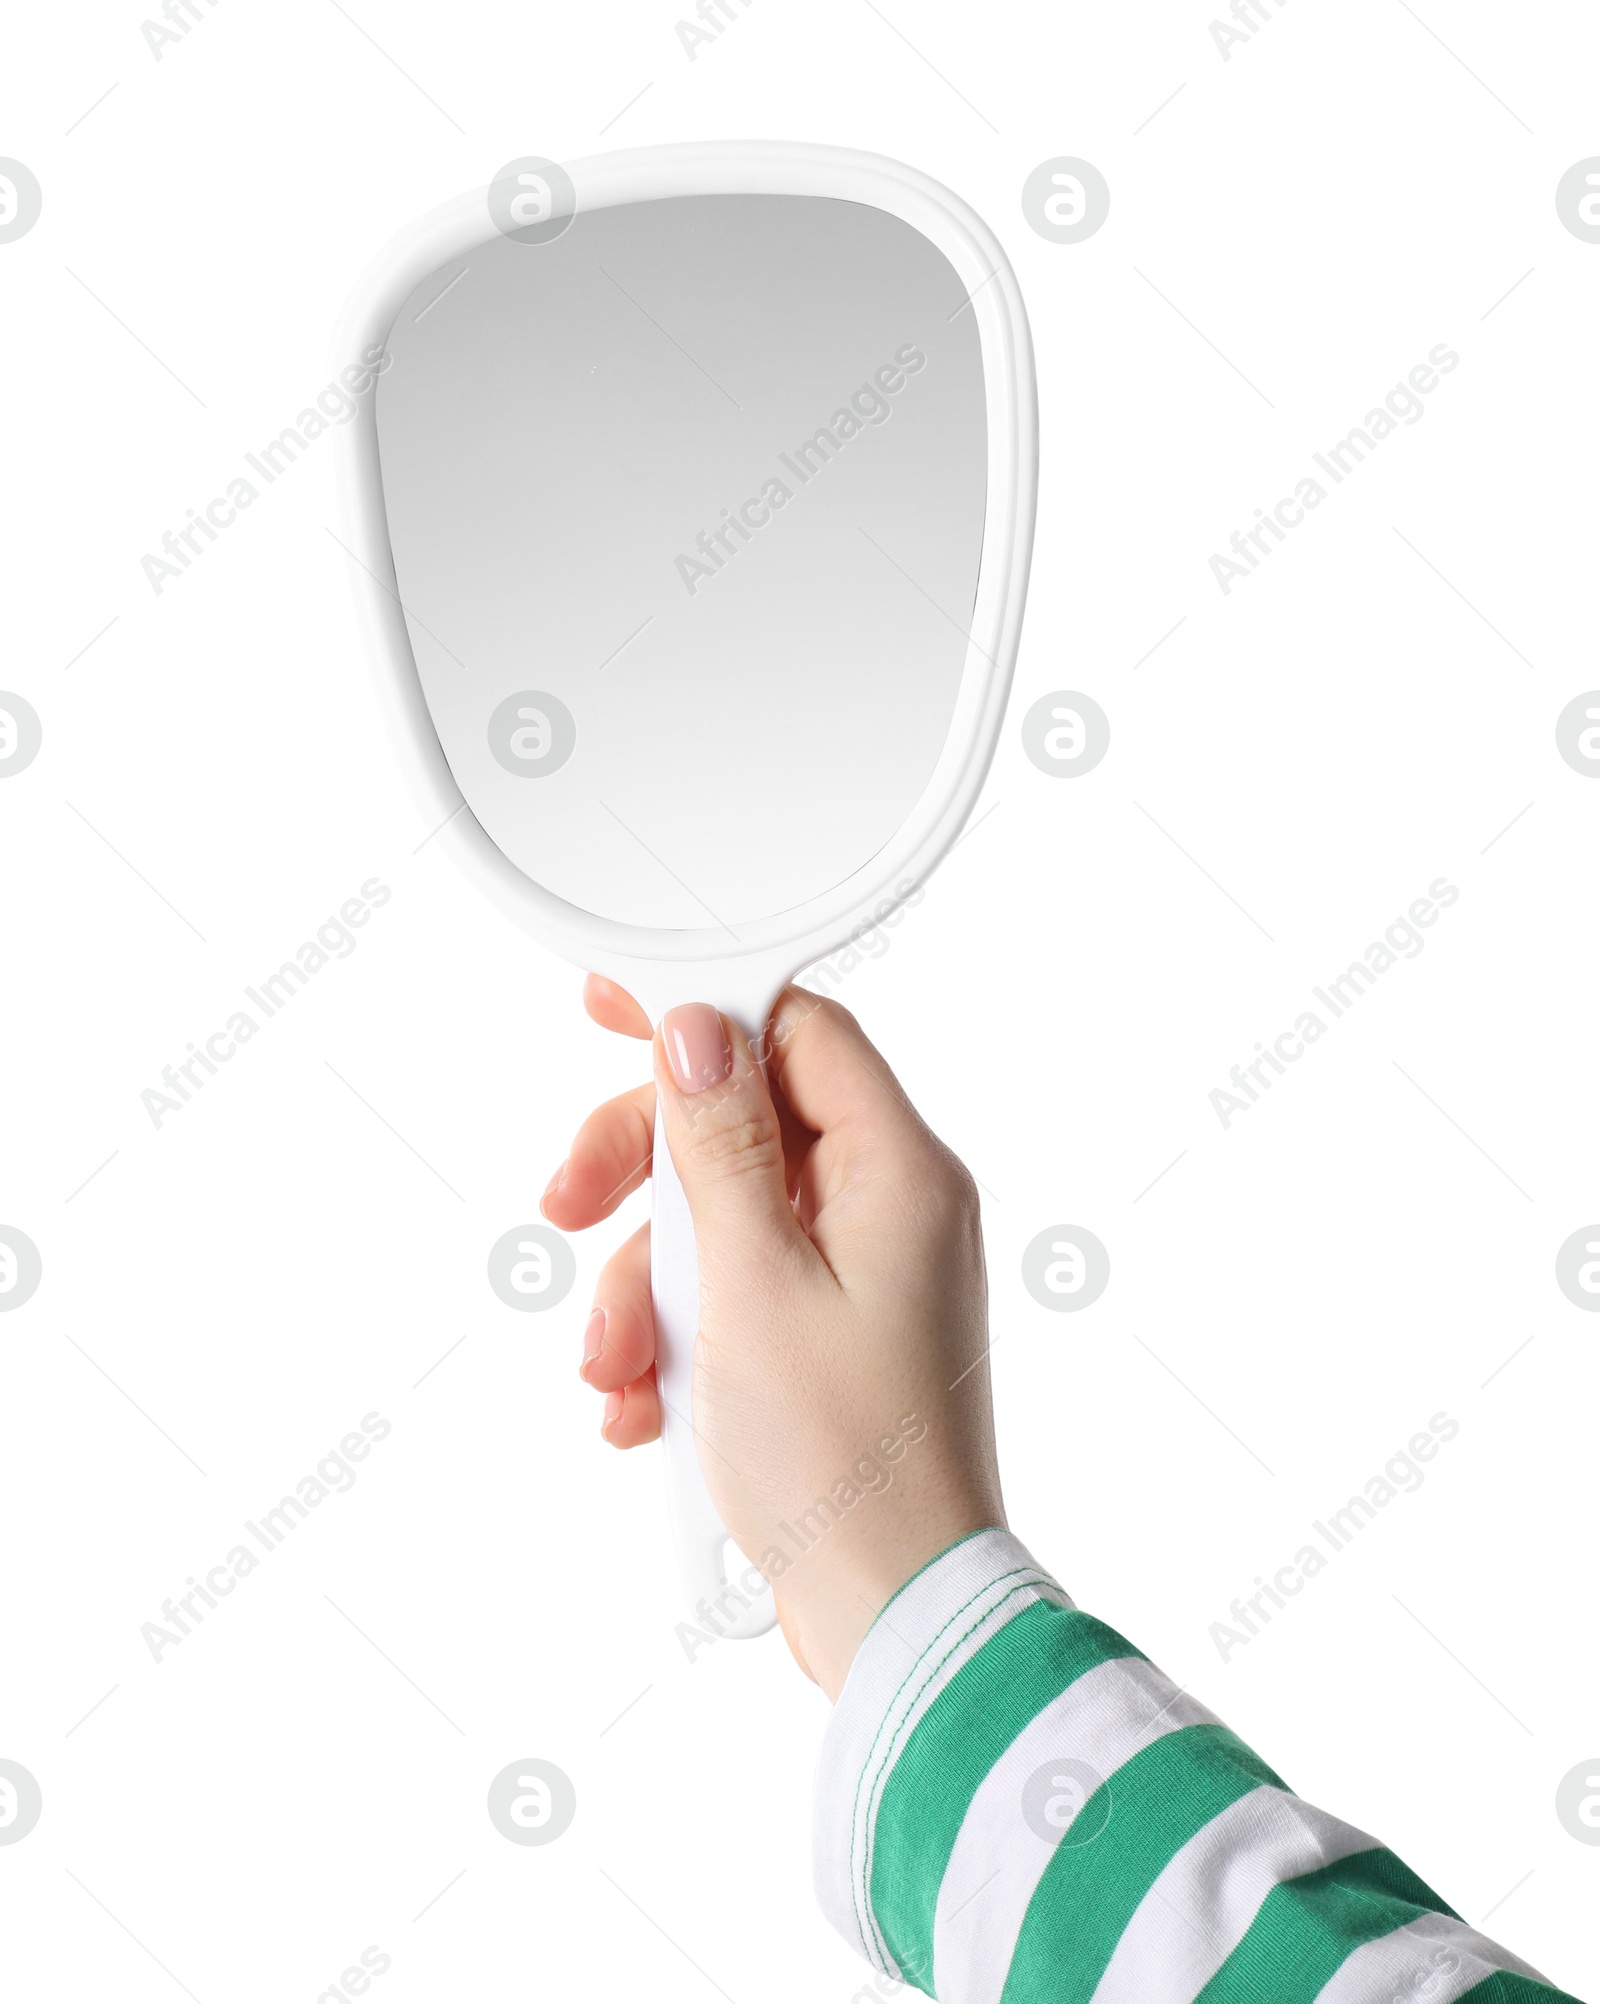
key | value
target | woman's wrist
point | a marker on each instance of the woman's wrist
(830, 1606)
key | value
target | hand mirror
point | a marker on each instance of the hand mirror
(691, 510)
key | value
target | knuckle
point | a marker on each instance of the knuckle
(950, 1190)
(802, 1006)
(743, 1142)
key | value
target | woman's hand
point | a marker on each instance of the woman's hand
(841, 1391)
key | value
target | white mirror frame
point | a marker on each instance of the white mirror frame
(661, 966)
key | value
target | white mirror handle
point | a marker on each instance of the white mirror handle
(697, 1529)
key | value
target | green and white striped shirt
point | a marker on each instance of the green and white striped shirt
(1015, 1807)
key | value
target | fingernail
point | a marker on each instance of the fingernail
(552, 1187)
(696, 1046)
(613, 1409)
(593, 1331)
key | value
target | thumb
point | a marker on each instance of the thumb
(726, 1141)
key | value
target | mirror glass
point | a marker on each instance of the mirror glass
(686, 508)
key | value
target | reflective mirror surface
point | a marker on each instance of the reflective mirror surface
(686, 509)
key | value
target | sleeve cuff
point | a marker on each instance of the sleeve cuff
(929, 1630)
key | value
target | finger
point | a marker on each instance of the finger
(619, 1341)
(633, 1415)
(727, 1145)
(828, 1070)
(610, 1158)
(613, 1008)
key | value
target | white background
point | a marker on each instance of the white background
(1356, 719)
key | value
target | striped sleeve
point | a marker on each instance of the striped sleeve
(1015, 1807)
